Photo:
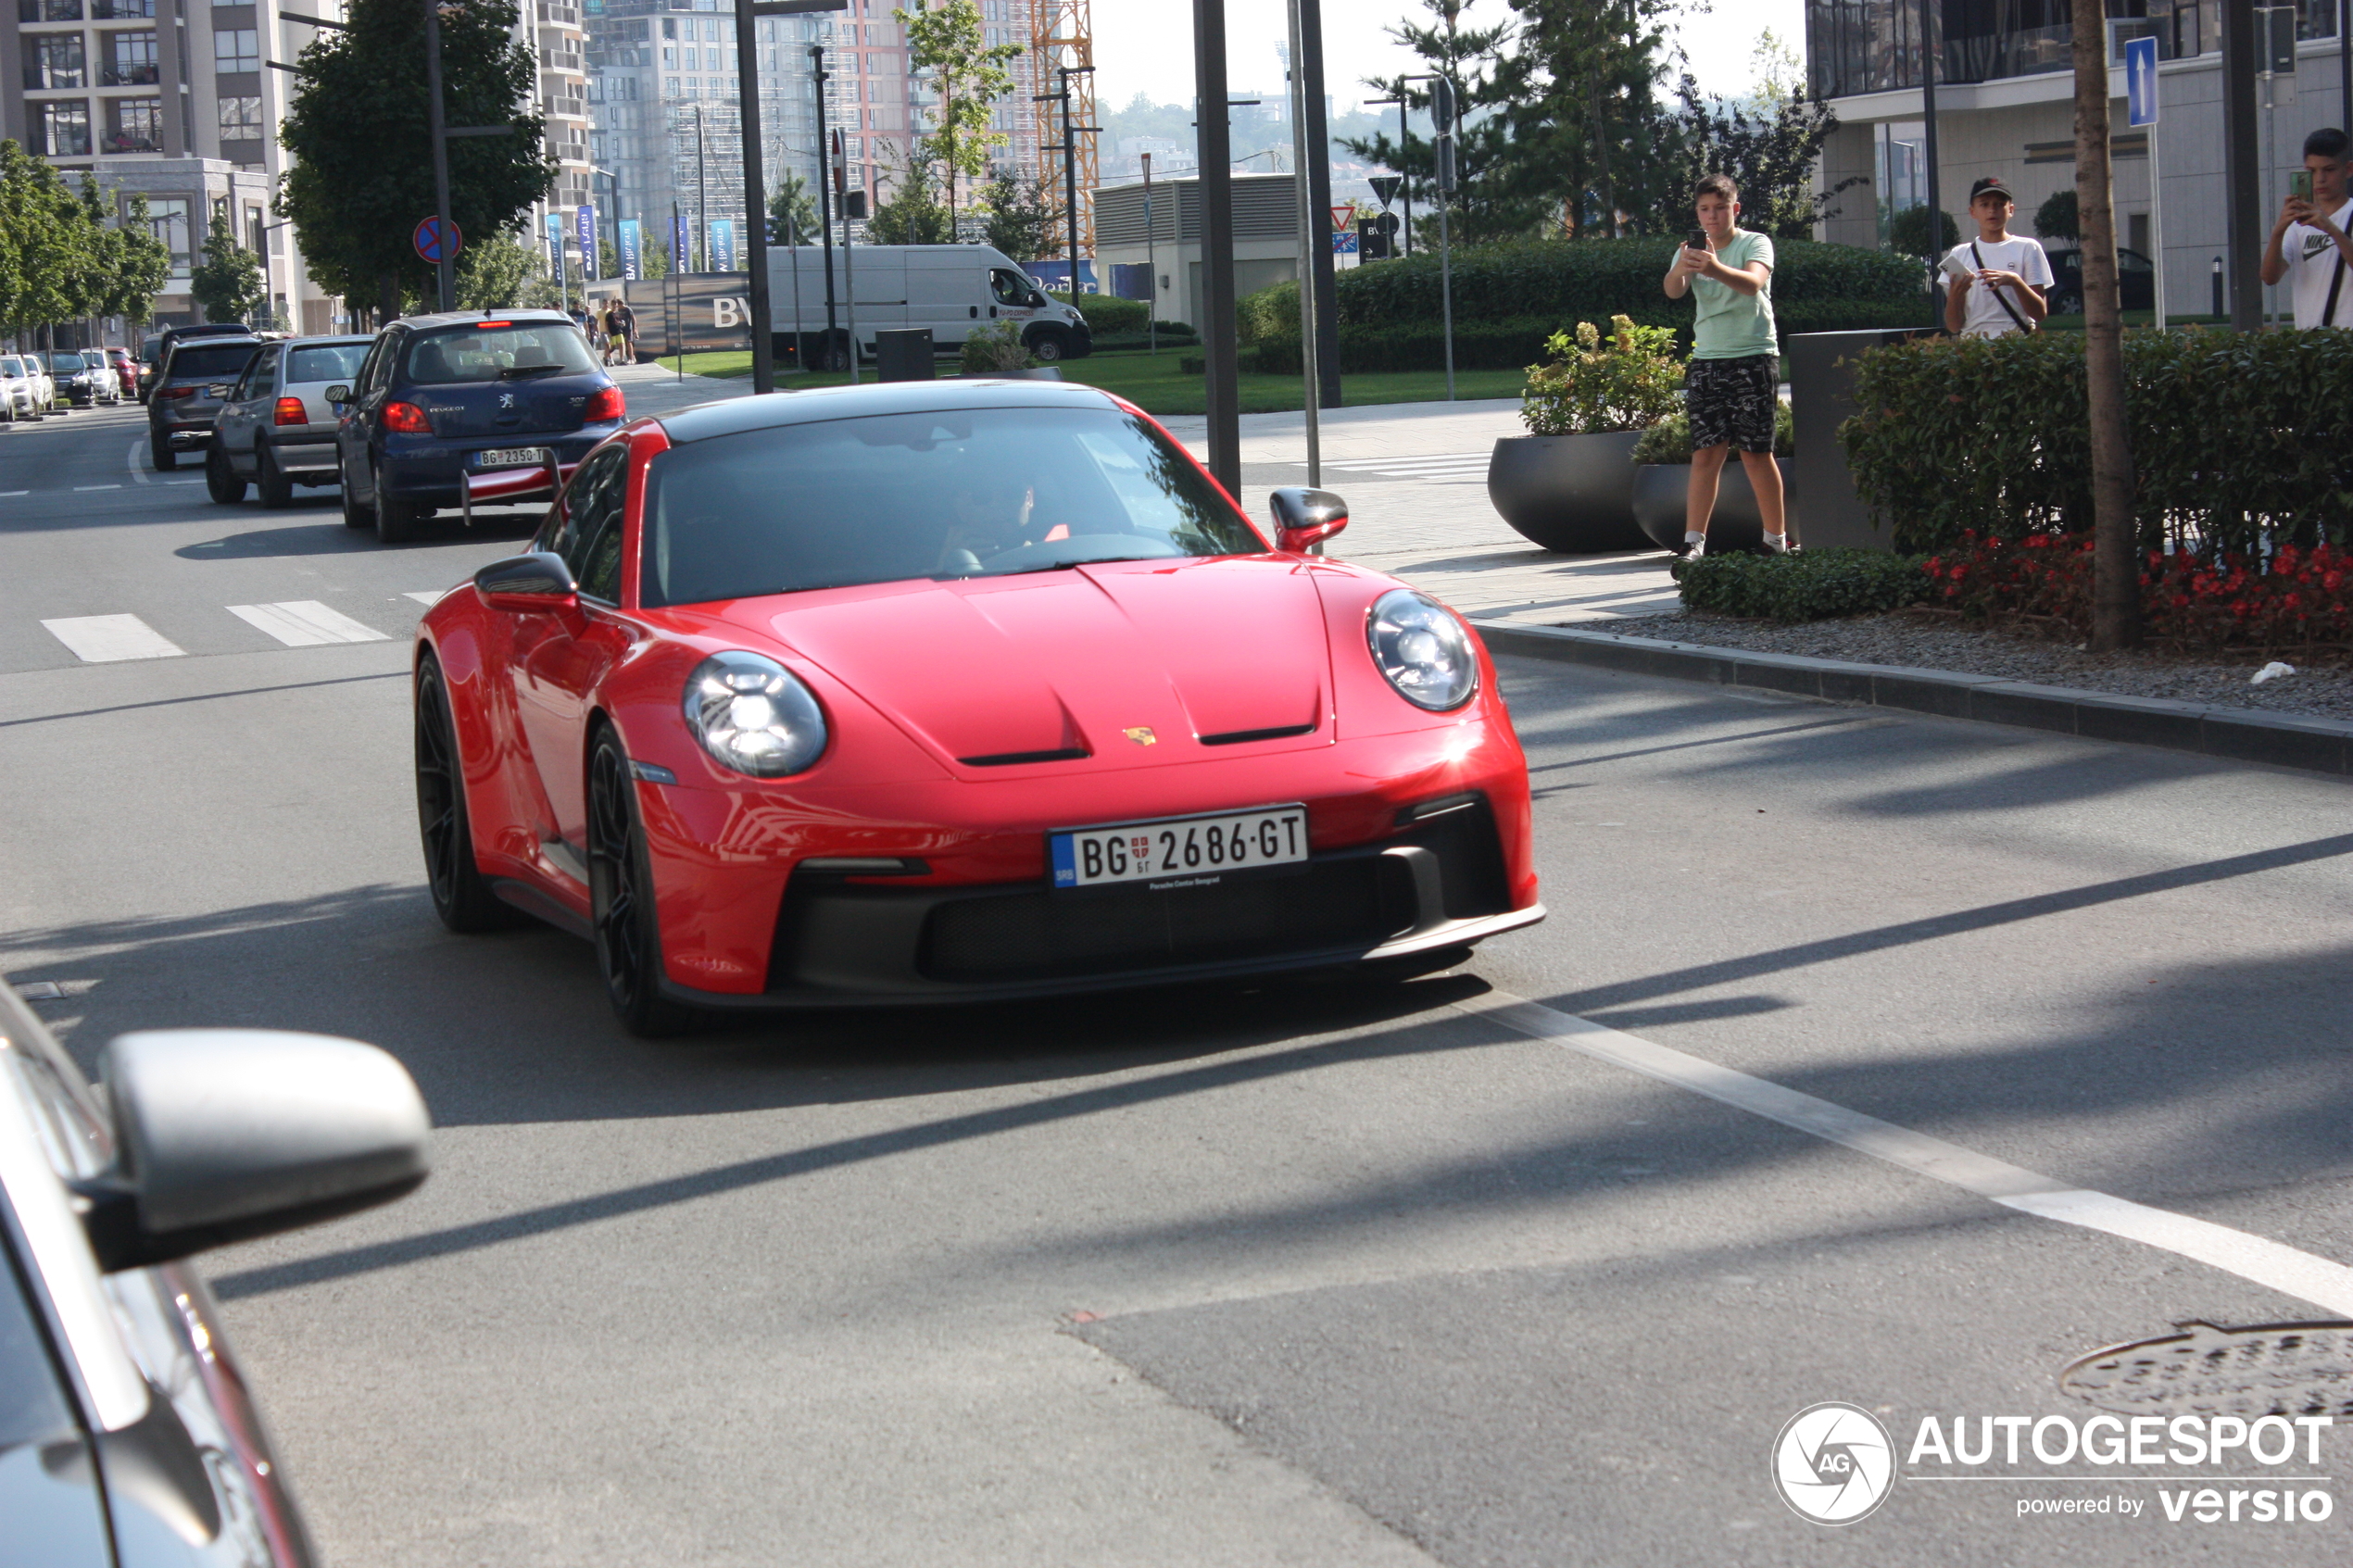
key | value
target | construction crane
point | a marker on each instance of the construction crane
(1062, 34)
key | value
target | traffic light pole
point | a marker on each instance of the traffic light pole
(756, 297)
(1215, 160)
(1307, 56)
(1309, 338)
(443, 277)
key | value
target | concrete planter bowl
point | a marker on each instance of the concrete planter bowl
(1660, 492)
(1574, 494)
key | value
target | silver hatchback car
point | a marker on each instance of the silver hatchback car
(275, 428)
(25, 389)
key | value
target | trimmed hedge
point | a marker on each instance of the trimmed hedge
(1804, 584)
(1105, 313)
(2237, 439)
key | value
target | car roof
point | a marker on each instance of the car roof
(329, 337)
(732, 417)
(535, 316)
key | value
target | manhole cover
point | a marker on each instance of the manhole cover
(2272, 1369)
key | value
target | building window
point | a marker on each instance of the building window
(134, 125)
(167, 221)
(48, 11)
(54, 61)
(123, 10)
(65, 129)
(253, 238)
(130, 59)
(240, 119)
(237, 49)
(669, 86)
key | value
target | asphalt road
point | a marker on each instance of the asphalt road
(1329, 1275)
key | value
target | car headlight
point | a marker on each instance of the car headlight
(754, 716)
(1423, 650)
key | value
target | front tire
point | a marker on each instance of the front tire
(621, 899)
(274, 488)
(461, 895)
(220, 481)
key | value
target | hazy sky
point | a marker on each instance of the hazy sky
(1147, 45)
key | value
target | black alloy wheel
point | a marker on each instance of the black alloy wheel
(354, 514)
(461, 895)
(220, 481)
(160, 456)
(274, 488)
(621, 899)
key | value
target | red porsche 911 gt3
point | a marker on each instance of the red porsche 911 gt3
(952, 690)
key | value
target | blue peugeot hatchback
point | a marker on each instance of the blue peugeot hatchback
(462, 410)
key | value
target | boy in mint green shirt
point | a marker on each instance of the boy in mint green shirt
(1731, 388)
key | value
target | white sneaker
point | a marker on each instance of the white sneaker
(1695, 545)
(1777, 542)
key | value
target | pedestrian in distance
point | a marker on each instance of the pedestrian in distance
(624, 330)
(1999, 284)
(2308, 242)
(1731, 389)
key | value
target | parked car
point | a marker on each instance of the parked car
(276, 429)
(150, 360)
(951, 691)
(25, 392)
(151, 351)
(85, 380)
(127, 370)
(127, 1435)
(196, 376)
(2136, 278)
(443, 402)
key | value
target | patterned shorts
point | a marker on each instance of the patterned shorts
(1733, 401)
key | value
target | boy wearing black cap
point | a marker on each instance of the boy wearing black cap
(1998, 283)
(2309, 243)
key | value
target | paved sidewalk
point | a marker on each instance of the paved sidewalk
(1416, 478)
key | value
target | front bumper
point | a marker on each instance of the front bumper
(428, 471)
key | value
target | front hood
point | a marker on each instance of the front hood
(1127, 662)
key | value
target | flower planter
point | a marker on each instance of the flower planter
(1660, 490)
(1568, 492)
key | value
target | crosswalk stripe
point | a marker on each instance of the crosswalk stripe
(433, 598)
(109, 639)
(304, 623)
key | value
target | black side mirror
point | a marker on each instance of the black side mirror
(339, 394)
(223, 1134)
(218, 389)
(537, 581)
(1304, 516)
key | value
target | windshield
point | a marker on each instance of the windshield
(509, 351)
(66, 362)
(10, 366)
(969, 493)
(208, 361)
(326, 361)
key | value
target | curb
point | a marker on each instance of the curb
(2320, 746)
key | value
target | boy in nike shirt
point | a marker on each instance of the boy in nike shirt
(2308, 242)
(1997, 283)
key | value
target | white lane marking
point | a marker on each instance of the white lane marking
(78, 488)
(2267, 1262)
(306, 623)
(132, 462)
(11, 493)
(108, 639)
(433, 598)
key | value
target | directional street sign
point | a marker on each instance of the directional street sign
(2140, 80)
(434, 246)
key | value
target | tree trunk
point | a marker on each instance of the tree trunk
(388, 296)
(1597, 128)
(2116, 567)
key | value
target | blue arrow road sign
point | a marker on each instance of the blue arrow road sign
(430, 241)
(2140, 80)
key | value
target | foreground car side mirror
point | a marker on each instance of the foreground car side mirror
(338, 396)
(223, 1134)
(538, 580)
(1304, 516)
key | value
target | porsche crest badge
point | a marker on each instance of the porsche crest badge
(1142, 735)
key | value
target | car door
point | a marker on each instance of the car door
(355, 437)
(233, 426)
(559, 660)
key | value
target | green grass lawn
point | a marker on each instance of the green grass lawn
(1154, 383)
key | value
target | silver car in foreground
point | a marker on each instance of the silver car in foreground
(25, 389)
(275, 428)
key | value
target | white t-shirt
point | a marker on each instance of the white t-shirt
(2311, 263)
(1983, 315)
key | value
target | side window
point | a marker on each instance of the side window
(257, 377)
(596, 558)
(1010, 288)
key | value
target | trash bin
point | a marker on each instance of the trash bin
(1821, 390)
(904, 353)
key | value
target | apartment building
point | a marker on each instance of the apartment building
(2005, 90)
(174, 99)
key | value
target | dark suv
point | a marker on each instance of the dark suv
(452, 410)
(195, 375)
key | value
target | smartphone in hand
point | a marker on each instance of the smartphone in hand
(1698, 240)
(2299, 184)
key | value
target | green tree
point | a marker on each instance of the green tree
(1493, 200)
(2057, 218)
(494, 273)
(1580, 98)
(227, 283)
(1908, 235)
(912, 214)
(1021, 217)
(137, 264)
(47, 245)
(362, 175)
(653, 257)
(1770, 152)
(792, 211)
(968, 74)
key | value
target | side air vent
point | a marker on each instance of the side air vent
(1011, 759)
(1243, 737)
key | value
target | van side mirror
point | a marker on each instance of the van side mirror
(223, 1134)
(1304, 516)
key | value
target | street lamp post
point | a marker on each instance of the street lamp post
(817, 75)
(1070, 162)
(443, 275)
(756, 298)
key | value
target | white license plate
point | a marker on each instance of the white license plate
(512, 457)
(1181, 851)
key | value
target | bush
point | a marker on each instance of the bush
(1907, 232)
(1669, 441)
(1108, 312)
(1270, 313)
(1587, 387)
(2237, 439)
(2056, 219)
(997, 346)
(1803, 585)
